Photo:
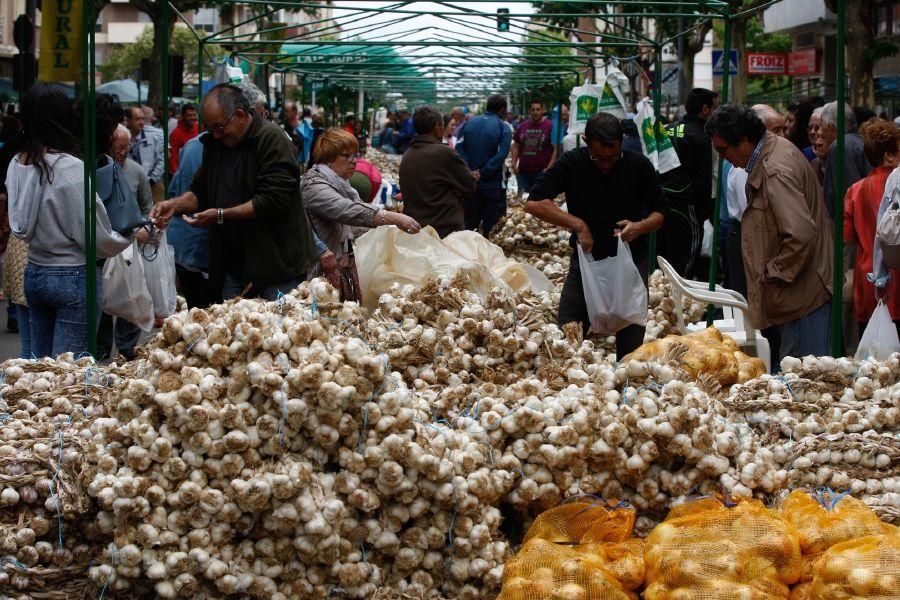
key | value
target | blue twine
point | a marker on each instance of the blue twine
(450, 531)
(112, 559)
(365, 425)
(314, 307)
(281, 421)
(4, 416)
(787, 384)
(362, 548)
(13, 562)
(56, 495)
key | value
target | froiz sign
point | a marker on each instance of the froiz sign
(767, 63)
(61, 40)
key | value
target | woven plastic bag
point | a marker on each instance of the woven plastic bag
(879, 340)
(614, 291)
(577, 550)
(864, 568)
(710, 550)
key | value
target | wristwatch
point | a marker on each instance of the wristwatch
(220, 216)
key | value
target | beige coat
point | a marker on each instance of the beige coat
(786, 237)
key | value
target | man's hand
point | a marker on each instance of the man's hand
(162, 212)
(477, 174)
(514, 167)
(143, 237)
(629, 230)
(328, 267)
(201, 219)
(585, 239)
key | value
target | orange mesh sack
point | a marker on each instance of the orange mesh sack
(825, 519)
(865, 568)
(705, 550)
(577, 551)
(543, 570)
(582, 522)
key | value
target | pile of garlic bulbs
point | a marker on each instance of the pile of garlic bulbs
(47, 458)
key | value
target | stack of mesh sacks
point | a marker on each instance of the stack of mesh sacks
(577, 551)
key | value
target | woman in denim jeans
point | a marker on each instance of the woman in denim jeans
(45, 184)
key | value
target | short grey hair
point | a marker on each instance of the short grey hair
(255, 96)
(229, 97)
(829, 116)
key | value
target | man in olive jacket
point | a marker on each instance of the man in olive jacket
(786, 237)
(434, 179)
(246, 191)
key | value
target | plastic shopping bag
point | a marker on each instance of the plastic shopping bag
(160, 276)
(615, 87)
(879, 340)
(655, 141)
(706, 245)
(614, 292)
(125, 293)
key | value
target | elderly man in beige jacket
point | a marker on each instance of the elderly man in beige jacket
(786, 236)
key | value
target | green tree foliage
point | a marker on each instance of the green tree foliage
(125, 59)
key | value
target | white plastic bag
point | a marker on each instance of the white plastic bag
(615, 88)
(160, 276)
(584, 102)
(888, 235)
(706, 245)
(125, 293)
(655, 141)
(880, 339)
(614, 292)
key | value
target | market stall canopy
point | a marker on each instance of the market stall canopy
(126, 90)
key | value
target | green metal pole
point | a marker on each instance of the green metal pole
(559, 127)
(714, 259)
(165, 94)
(837, 342)
(199, 79)
(90, 152)
(657, 106)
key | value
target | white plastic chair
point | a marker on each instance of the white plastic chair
(734, 307)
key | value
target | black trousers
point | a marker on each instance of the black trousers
(680, 239)
(195, 288)
(736, 275)
(572, 307)
(126, 337)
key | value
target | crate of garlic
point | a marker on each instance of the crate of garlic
(306, 448)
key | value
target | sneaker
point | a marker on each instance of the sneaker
(12, 326)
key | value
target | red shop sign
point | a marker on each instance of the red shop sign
(804, 62)
(767, 63)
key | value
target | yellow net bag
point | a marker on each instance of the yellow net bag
(824, 519)
(577, 551)
(709, 550)
(865, 568)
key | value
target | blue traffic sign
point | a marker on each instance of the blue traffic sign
(719, 68)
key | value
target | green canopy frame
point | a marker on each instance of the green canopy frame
(430, 64)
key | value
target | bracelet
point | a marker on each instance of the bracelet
(220, 216)
(383, 217)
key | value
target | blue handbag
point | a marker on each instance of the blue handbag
(120, 202)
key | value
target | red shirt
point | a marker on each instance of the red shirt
(177, 139)
(860, 218)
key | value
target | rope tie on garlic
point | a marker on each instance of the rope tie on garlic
(112, 561)
(54, 488)
(828, 498)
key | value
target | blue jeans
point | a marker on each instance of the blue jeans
(57, 306)
(807, 335)
(526, 181)
(24, 330)
(234, 285)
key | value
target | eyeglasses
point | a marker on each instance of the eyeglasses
(218, 129)
(606, 159)
(351, 156)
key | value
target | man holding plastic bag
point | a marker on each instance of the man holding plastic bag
(614, 201)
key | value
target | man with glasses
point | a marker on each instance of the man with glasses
(246, 192)
(610, 192)
(786, 237)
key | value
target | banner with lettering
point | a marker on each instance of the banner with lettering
(61, 40)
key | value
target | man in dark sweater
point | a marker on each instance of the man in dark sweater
(610, 192)
(246, 191)
(435, 180)
(689, 187)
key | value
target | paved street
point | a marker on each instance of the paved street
(9, 342)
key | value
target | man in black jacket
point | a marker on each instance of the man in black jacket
(246, 191)
(435, 180)
(689, 187)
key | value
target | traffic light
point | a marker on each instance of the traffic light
(502, 19)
